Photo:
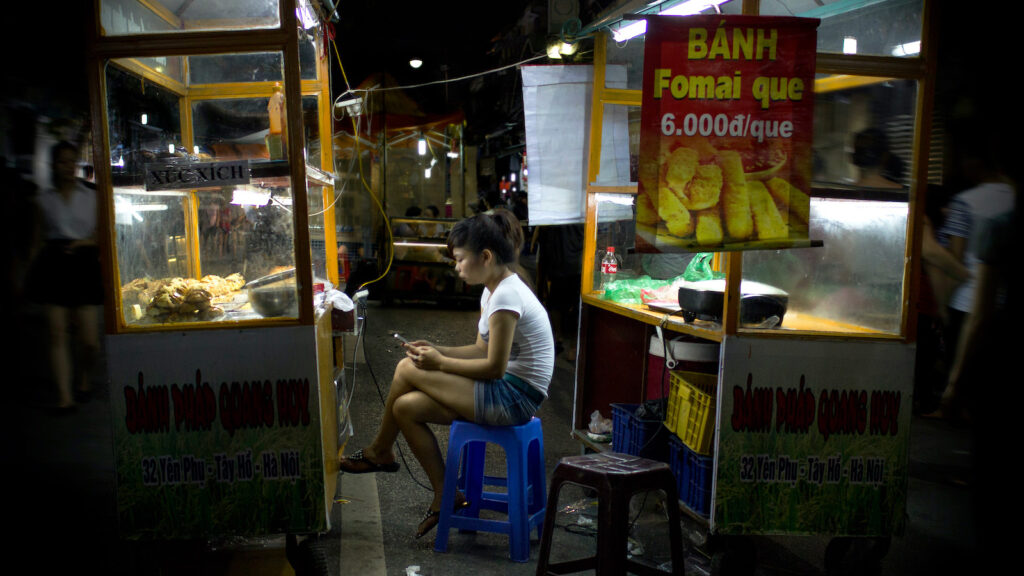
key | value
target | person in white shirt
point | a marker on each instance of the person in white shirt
(499, 380)
(65, 277)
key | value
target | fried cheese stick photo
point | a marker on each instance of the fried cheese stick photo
(680, 168)
(796, 202)
(704, 189)
(709, 227)
(676, 216)
(646, 213)
(766, 215)
(735, 201)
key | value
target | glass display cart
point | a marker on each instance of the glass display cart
(797, 423)
(214, 171)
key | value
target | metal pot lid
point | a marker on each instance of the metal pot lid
(747, 287)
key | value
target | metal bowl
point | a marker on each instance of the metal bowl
(274, 299)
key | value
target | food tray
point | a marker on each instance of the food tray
(690, 413)
(693, 476)
(637, 437)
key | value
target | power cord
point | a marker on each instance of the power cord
(383, 402)
(362, 177)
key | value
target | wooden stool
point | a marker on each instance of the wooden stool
(615, 477)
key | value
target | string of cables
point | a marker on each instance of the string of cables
(368, 93)
(360, 339)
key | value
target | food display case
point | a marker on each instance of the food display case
(215, 176)
(803, 426)
(422, 268)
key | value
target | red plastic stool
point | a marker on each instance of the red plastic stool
(615, 477)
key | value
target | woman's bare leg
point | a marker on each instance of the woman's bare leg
(413, 412)
(448, 390)
(60, 355)
(87, 350)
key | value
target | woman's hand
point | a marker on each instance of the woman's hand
(423, 356)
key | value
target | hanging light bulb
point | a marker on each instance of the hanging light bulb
(415, 63)
(144, 119)
(426, 173)
(421, 146)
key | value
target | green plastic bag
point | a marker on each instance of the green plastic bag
(700, 268)
(629, 291)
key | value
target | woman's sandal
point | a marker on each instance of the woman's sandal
(358, 463)
(432, 517)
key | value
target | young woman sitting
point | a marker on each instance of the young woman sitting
(500, 380)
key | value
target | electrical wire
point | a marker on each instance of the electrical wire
(362, 178)
(383, 402)
(450, 80)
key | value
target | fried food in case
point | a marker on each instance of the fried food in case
(179, 299)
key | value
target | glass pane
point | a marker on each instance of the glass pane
(144, 123)
(318, 249)
(627, 56)
(254, 67)
(416, 181)
(184, 254)
(616, 228)
(864, 135)
(118, 17)
(150, 235)
(308, 56)
(874, 27)
(135, 17)
(173, 67)
(620, 145)
(234, 128)
(854, 283)
(311, 129)
(356, 214)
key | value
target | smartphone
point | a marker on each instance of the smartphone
(399, 336)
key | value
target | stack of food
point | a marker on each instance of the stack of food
(710, 195)
(179, 299)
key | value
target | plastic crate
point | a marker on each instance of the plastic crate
(693, 476)
(690, 413)
(638, 437)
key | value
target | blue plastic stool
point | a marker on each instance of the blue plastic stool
(525, 498)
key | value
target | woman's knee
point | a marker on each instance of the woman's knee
(401, 382)
(409, 407)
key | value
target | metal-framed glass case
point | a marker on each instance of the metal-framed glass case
(217, 178)
(214, 172)
(850, 326)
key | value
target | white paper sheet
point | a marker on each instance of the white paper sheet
(557, 102)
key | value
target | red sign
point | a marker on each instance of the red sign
(726, 132)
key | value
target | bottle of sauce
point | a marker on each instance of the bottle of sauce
(276, 135)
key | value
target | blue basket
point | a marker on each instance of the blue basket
(638, 437)
(693, 476)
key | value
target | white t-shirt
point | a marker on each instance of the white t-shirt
(71, 220)
(533, 345)
(966, 211)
